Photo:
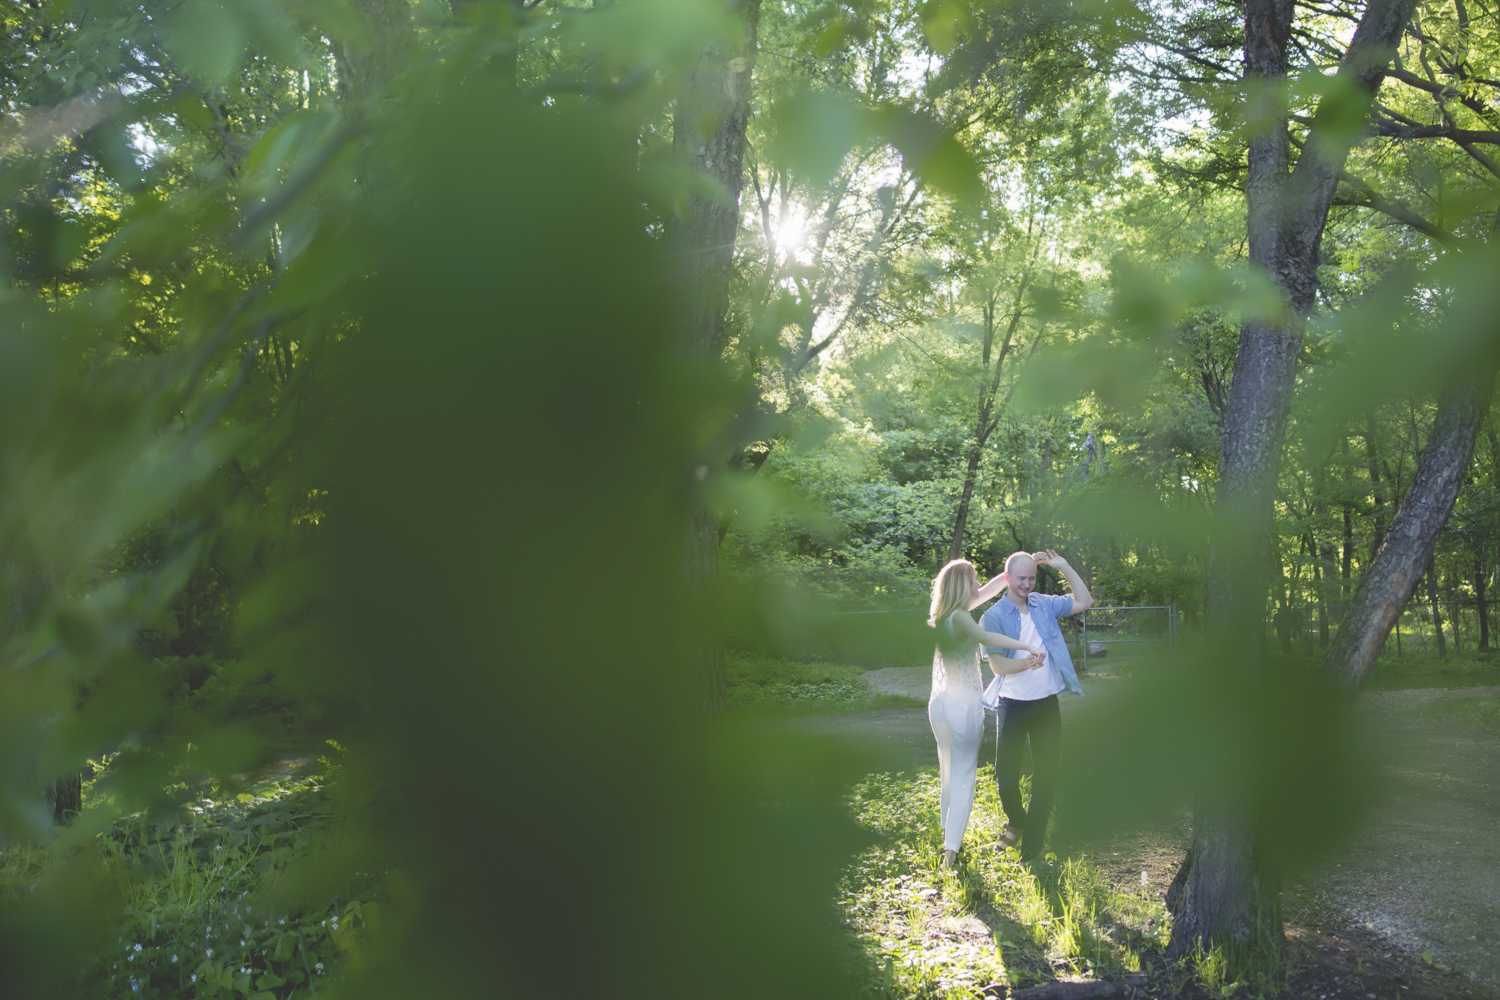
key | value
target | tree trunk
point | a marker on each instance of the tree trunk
(1377, 491)
(971, 473)
(1320, 582)
(1392, 578)
(708, 132)
(64, 797)
(1347, 565)
(984, 423)
(1216, 877)
(1219, 894)
(1437, 615)
(1484, 612)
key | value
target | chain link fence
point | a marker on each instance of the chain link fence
(1102, 637)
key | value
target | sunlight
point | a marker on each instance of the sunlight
(791, 233)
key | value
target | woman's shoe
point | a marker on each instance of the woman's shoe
(950, 858)
(1008, 838)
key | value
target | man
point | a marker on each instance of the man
(1028, 699)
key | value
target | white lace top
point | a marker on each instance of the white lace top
(955, 670)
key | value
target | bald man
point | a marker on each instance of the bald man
(1027, 701)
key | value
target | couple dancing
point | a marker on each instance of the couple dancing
(1030, 661)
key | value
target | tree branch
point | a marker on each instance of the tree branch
(1370, 198)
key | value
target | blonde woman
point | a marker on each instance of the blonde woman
(953, 708)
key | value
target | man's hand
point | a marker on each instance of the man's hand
(1050, 558)
(1036, 661)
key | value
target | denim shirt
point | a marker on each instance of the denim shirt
(1004, 617)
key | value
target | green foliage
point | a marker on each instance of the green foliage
(196, 918)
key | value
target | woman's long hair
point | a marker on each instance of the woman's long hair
(951, 591)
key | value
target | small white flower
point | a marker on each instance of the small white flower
(174, 959)
(195, 978)
(138, 948)
(210, 953)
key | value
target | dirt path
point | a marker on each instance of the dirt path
(1421, 876)
(1423, 872)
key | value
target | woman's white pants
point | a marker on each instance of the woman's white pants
(958, 723)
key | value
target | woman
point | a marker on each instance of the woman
(953, 707)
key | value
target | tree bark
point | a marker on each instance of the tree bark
(1219, 893)
(1484, 612)
(64, 797)
(708, 132)
(1393, 575)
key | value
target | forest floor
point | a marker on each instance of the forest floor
(1410, 907)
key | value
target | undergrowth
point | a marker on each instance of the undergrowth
(195, 920)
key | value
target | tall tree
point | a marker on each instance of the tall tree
(1407, 548)
(1219, 894)
(708, 132)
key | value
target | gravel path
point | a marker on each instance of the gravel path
(1423, 870)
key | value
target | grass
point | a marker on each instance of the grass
(1469, 669)
(765, 686)
(193, 918)
(934, 933)
(1475, 709)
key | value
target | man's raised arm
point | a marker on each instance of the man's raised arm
(1082, 599)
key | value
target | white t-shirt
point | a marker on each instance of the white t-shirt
(1031, 685)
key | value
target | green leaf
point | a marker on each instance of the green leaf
(813, 131)
(207, 40)
(932, 152)
(940, 23)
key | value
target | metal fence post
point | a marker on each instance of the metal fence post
(1172, 626)
(1085, 642)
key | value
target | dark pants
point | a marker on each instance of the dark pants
(1042, 721)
